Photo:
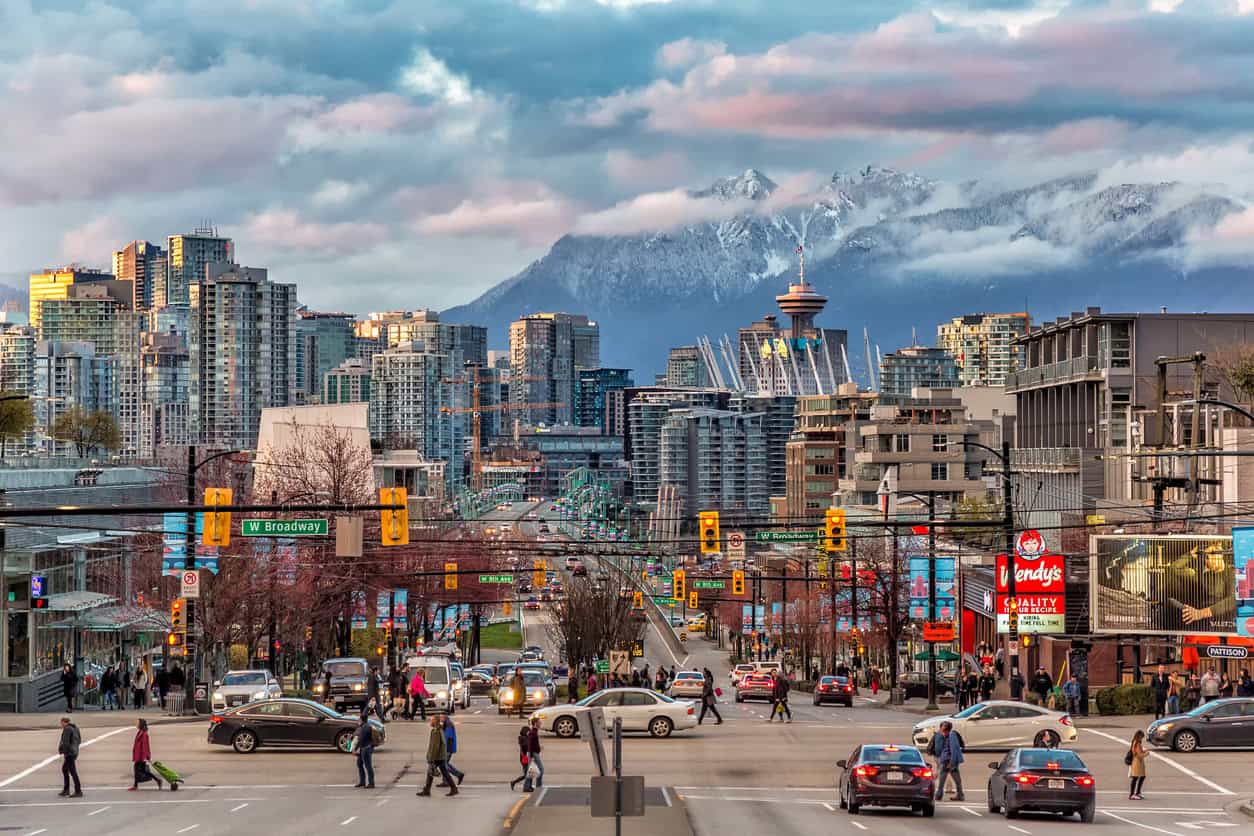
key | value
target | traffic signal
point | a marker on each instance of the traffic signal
(217, 530)
(379, 651)
(738, 582)
(1012, 619)
(174, 640)
(387, 630)
(834, 519)
(1027, 641)
(178, 616)
(637, 600)
(692, 600)
(537, 574)
(707, 521)
(309, 634)
(394, 523)
(450, 576)
(679, 584)
(507, 609)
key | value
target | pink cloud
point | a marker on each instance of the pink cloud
(378, 113)
(93, 242)
(287, 231)
(685, 52)
(658, 211)
(627, 169)
(527, 211)
(1083, 135)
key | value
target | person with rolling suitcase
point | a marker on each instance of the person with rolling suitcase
(140, 755)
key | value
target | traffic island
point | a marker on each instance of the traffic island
(569, 809)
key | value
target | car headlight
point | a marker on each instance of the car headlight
(217, 697)
(441, 695)
(506, 696)
(317, 689)
(1163, 727)
(260, 695)
(357, 686)
(538, 694)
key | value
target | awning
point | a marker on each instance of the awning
(941, 656)
(77, 601)
(115, 619)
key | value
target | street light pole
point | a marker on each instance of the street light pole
(931, 598)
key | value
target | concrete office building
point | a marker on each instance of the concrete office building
(547, 351)
(916, 367)
(982, 345)
(56, 283)
(187, 256)
(821, 449)
(242, 352)
(144, 265)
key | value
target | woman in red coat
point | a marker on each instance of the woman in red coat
(140, 755)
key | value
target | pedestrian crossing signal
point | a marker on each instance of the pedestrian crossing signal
(637, 600)
(738, 582)
(708, 523)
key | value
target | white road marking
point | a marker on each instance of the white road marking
(1202, 779)
(666, 796)
(540, 798)
(829, 807)
(1202, 825)
(348, 821)
(37, 832)
(383, 801)
(239, 807)
(1138, 824)
(13, 779)
(859, 825)
(188, 828)
(1019, 829)
(972, 811)
(94, 812)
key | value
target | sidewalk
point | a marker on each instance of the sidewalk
(90, 718)
(918, 707)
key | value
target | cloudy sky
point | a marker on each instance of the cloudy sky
(427, 149)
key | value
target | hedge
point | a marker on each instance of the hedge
(1125, 699)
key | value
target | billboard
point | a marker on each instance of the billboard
(1163, 585)
(946, 608)
(1040, 584)
(1243, 557)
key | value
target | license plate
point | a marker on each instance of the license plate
(894, 777)
(1057, 785)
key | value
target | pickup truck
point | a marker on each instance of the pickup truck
(349, 684)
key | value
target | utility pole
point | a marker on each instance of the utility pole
(189, 563)
(853, 598)
(931, 598)
(1008, 519)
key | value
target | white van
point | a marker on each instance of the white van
(768, 667)
(437, 674)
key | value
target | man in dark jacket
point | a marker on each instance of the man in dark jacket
(69, 686)
(163, 685)
(1160, 684)
(372, 694)
(68, 750)
(1016, 684)
(363, 747)
(708, 700)
(949, 758)
(437, 755)
(1042, 684)
(518, 687)
(779, 698)
(533, 749)
(987, 683)
(450, 743)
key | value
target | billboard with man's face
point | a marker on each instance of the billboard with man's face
(1159, 585)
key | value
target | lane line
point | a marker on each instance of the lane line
(540, 797)
(239, 807)
(829, 807)
(1177, 766)
(666, 796)
(348, 821)
(12, 779)
(1139, 824)
(1020, 829)
(37, 832)
(973, 812)
(188, 828)
(859, 825)
(512, 815)
(94, 812)
(384, 800)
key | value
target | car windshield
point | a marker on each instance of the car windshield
(1046, 758)
(345, 668)
(965, 713)
(891, 754)
(532, 678)
(245, 678)
(434, 675)
(834, 680)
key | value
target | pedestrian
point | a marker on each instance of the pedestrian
(635, 678)
(68, 750)
(396, 687)
(1160, 684)
(518, 688)
(644, 675)
(524, 736)
(141, 754)
(1225, 686)
(987, 683)
(709, 700)
(533, 750)
(418, 695)
(139, 687)
(875, 681)
(949, 757)
(108, 689)
(1016, 684)
(972, 687)
(779, 698)
(592, 682)
(1135, 759)
(1245, 685)
(163, 685)
(437, 757)
(1192, 693)
(1042, 684)
(450, 743)
(1210, 686)
(69, 686)
(659, 684)
(363, 747)
(1071, 690)
(999, 661)
(1174, 689)
(326, 687)
(124, 688)
(373, 693)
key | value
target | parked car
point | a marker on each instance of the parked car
(284, 721)
(240, 687)
(915, 684)
(885, 775)
(640, 710)
(1042, 780)
(1002, 724)
(1220, 724)
(834, 689)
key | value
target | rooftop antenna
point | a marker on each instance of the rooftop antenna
(866, 352)
(914, 336)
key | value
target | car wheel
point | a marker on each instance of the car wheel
(929, 810)
(993, 806)
(841, 802)
(816, 700)
(1184, 741)
(661, 726)
(853, 807)
(1012, 812)
(343, 740)
(1086, 813)
(1047, 740)
(739, 698)
(244, 741)
(565, 727)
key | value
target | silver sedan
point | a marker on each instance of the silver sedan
(687, 684)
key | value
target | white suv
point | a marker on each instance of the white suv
(239, 687)
(437, 675)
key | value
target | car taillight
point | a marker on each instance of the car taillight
(1065, 719)
(849, 689)
(215, 719)
(822, 687)
(866, 771)
(921, 772)
(689, 709)
(1026, 779)
(1085, 780)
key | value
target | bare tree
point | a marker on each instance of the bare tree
(590, 622)
(1235, 364)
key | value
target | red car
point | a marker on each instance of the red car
(755, 686)
(834, 689)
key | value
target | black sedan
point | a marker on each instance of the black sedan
(1214, 725)
(915, 684)
(481, 683)
(834, 689)
(885, 775)
(284, 722)
(1044, 780)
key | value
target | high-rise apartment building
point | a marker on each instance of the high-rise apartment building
(55, 283)
(821, 450)
(409, 386)
(715, 459)
(165, 380)
(647, 409)
(599, 399)
(142, 263)
(349, 382)
(17, 358)
(424, 326)
(69, 375)
(186, 258)
(547, 350)
(907, 369)
(685, 367)
(778, 420)
(982, 345)
(242, 352)
(323, 341)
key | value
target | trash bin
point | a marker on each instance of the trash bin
(202, 704)
(897, 696)
(174, 703)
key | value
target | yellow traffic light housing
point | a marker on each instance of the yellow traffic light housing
(679, 584)
(637, 600)
(707, 521)
(217, 527)
(178, 616)
(394, 523)
(450, 576)
(1026, 640)
(834, 522)
(507, 609)
(738, 582)
(692, 600)
(537, 574)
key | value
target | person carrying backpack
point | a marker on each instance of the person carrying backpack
(949, 758)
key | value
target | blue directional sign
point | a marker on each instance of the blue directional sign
(37, 586)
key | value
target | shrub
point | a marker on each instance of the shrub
(1125, 699)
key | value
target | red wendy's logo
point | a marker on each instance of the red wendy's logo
(1030, 544)
(1043, 575)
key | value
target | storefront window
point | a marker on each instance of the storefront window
(17, 650)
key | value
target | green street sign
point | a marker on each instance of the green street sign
(664, 600)
(602, 666)
(789, 536)
(284, 528)
(707, 584)
(496, 579)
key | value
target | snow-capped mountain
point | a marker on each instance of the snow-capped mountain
(892, 250)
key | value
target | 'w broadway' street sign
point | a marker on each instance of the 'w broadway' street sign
(788, 536)
(283, 528)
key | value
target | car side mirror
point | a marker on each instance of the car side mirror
(274, 682)
(1206, 717)
(322, 718)
(842, 763)
(994, 765)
